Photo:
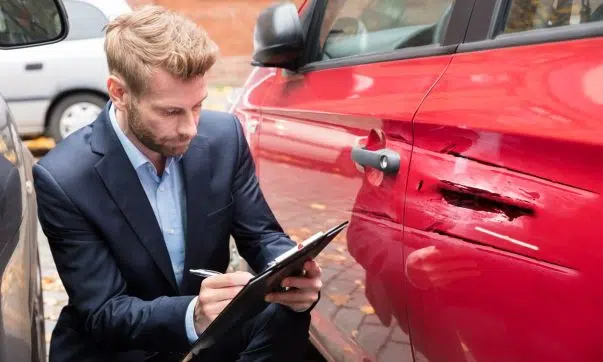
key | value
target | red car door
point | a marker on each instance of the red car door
(355, 102)
(503, 211)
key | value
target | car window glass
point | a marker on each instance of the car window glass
(21, 23)
(526, 15)
(356, 27)
(85, 21)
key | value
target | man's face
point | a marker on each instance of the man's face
(165, 117)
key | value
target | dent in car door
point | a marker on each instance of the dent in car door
(503, 219)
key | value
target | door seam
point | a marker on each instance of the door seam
(412, 149)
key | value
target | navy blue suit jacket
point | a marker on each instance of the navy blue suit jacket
(110, 254)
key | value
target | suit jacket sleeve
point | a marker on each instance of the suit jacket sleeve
(95, 285)
(258, 235)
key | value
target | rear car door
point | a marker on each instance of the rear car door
(503, 211)
(372, 63)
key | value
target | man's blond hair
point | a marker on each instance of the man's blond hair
(152, 37)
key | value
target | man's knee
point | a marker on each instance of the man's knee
(277, 334)
(280, 326)
(278, 319)
(287, 318)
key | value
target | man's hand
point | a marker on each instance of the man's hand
(215, 294)
(304, 289)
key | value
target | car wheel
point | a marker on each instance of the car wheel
(38, 333)
(72, 113)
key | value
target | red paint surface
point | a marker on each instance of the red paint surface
(520, 126)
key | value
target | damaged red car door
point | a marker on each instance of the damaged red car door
(503, 209)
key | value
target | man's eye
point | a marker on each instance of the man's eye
(171, 113)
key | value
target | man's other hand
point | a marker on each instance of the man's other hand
(215, 294)
(303, 290)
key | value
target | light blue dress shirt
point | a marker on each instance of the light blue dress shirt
(168, 200)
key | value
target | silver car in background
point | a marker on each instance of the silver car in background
(58, 88)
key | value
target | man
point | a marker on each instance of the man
(151, 189)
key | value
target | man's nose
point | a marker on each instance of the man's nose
(188, 126)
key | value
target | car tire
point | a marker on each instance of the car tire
(38, 330)
(71, 113)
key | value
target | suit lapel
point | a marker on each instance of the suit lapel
(196, 167)
(121, 180)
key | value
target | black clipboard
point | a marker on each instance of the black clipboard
(250, 300)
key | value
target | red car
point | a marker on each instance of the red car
(464, 141)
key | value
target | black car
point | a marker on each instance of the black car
(22, 338)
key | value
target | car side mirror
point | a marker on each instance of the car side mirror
(278, 37)
(25, 23)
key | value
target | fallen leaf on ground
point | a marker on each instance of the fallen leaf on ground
(51, 283)
(339, 299)
(354, 334)
(48, 280)
(40, 143)
(333, 257)
(367, 309)
(318, 206)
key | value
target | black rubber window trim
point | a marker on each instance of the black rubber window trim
(453, 37)
(486, 35)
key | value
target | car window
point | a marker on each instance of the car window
(19, 23)
(356, 27)
(85, 21)
(524, 15)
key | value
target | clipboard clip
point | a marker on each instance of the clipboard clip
(296, 248)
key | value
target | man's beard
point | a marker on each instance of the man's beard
(145, 137)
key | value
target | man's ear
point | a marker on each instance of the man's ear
(117, 92)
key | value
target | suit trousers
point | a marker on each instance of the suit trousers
(277, 334)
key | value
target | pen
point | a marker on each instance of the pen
(204, 272)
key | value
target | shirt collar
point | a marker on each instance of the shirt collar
(136, 157)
